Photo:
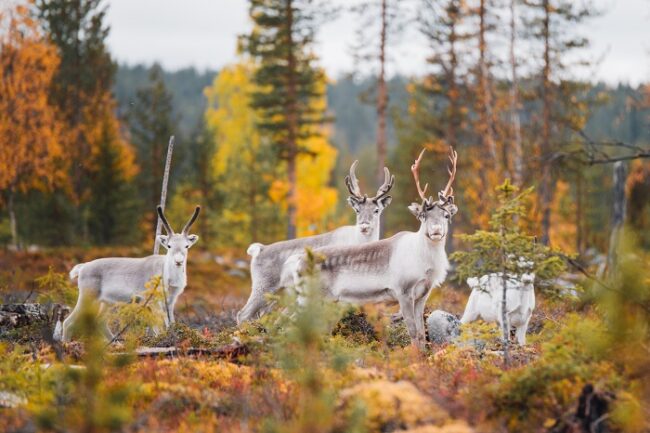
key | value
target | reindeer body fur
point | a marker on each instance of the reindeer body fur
(485, 302)
(403, 268)
(268, 261)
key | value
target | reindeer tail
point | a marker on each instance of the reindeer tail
(74, 272)
(254, 249)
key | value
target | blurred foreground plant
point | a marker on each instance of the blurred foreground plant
(93, 396)
(309, 355)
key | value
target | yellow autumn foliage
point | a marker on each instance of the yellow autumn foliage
(244, 162)
(391, 403)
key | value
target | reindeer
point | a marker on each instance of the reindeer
(403, 268)
(267, 260)
(119, 279)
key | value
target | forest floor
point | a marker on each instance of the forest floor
(362, 376)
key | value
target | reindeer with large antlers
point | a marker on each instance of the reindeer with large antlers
(118, 279)
(403, 268)
(267, 260)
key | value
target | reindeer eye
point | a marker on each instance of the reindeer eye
(376, 210)
(447, 216)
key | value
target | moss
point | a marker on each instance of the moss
(397, 335)
(354, 326)
(177, 334)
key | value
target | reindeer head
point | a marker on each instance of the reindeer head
(435, 215)
(178, 244)
(368, 209)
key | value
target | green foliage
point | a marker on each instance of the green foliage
(151, 124)
(547, 387)
(133, 319)
(56, 287)
(92, 397)
(499, 249)
(305, 350)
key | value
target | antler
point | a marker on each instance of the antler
(161, 214)
(449, 191)
(191, 221)
(414, 169)
(352, 182)
(386, 186)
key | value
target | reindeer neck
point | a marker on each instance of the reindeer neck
(174, 275)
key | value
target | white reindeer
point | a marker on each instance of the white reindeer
(403, 268)
(485, 301)
(267, 260)
(118, 279)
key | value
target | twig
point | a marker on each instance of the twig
(123, 330)
(163, 193)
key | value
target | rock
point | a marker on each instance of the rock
(443, 327)
(237, 273)
(390, 406)
(11, 400)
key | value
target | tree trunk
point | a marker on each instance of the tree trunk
(547, 183)
(12, 218)
(292, 125)
(518, 169)
(618, 215)
(163, 193)
(579, 214)
(484, 92)
(382, 102)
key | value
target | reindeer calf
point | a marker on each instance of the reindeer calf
(485, 302)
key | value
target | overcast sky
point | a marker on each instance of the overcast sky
(202, 33)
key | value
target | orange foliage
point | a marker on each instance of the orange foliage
(31, 155)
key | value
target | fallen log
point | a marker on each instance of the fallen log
(32, 316)
(228, 351)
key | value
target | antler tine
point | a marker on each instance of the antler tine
(414, 169)
(389, 181)
(191, 221)
(352, 183)
(161, 215)
(453, 157)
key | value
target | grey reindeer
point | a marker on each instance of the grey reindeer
(267, 260)
(119, 279)
(403, 268)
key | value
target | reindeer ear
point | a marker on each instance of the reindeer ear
(163, 239)
(193, 239)
(384, 201)
(452, 209)
(353, 202)
(416, 209)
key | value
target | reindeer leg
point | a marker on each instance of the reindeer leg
(406, 305)
(107, 331)
(72, 317)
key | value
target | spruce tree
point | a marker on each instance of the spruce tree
(287, 77)
(82, 91)
(151, 124)
(552, 27)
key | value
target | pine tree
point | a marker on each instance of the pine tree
(552, 25)
(82, 90)
(286, 77)
(85, 73)
(380, 24)
(151, 124)
(30, 148)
